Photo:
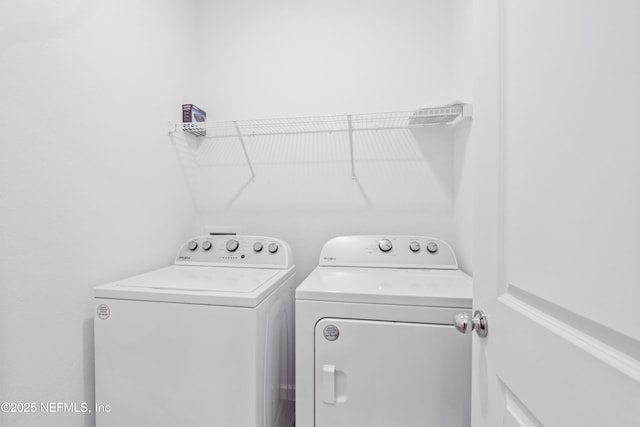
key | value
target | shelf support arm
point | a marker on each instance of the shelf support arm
(350, 126)
(244, 148)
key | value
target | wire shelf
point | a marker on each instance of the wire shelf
(447, 115)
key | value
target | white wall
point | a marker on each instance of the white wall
(292, 58)
(288, 58)
(90, 187)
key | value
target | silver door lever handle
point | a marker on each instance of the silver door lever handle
(465, 323)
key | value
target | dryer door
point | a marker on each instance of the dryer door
(376, 373)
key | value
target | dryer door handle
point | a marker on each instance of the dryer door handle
(329, 384)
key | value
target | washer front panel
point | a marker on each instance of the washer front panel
(162, 365)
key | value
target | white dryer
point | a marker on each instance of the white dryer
(375, 344)
(207, 341)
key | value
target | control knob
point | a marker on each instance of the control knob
(385, 245)
(192, 245)
(257, 247)
(273, 247)
(232, 245)
(414, 246)
(206, 245)
(432, 247)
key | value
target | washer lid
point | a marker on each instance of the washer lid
(230, 286)
(417, 287)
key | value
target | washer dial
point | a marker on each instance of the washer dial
(414, 246)
(206, 245)
(257, 247)
(232, 245)
(192, 245)
(273, 247)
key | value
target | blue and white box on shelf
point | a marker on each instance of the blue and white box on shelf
(194, 120)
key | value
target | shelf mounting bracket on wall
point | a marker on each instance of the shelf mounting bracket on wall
(244, 148)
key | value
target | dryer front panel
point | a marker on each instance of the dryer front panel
(380, 374)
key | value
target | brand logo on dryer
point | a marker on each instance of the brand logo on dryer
(329, 258)
(184, 257)
(331, 332)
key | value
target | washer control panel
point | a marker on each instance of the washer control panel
(389, 251)
(244, 251)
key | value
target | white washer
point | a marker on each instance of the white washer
(207, 341)
(375, 345)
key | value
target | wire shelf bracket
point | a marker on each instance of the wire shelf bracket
(244, 149)
(350, 126)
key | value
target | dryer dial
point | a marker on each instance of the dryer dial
(414, 246)
(257, 247)
(385, 245)
(432, 247)
(273, 247)
(193, 245)
(206, 245)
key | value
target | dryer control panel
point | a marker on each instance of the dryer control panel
(388, 252)
(240, 251)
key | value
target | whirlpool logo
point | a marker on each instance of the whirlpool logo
(103, 311)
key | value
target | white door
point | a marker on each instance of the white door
(557, 248)
(385, 374)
